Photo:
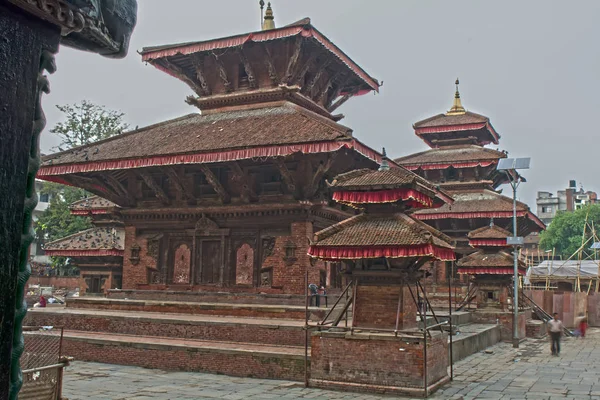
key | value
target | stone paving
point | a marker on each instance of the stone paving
(501, 372)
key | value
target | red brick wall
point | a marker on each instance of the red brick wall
(59, 282)
(134, 275)
(377, 306)
(367, 361)
(291, 276)
(231, 332)
(179, 358)
(505, 319)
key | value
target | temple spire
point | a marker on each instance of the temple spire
(269, 22)
(457, 107)
(385, 166)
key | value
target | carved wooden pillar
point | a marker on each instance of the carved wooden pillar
(24, 59)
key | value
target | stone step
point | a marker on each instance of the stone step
(473, 338)
(235, 359)
(182, 326)
(180, 307)
(217, 297)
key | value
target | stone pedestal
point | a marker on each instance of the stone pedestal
(380, 363)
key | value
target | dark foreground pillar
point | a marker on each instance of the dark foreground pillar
(26, 48)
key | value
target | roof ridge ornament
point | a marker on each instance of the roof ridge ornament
(457, 107)
(385, 166)
(269, 19)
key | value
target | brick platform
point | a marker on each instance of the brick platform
(248, 360)
(200, 327)
(179, 307)
(378, 363)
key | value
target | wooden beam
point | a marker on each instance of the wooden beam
(340, 101)
(299, 77)
(322, 169)
(216, 185)
(198, 62)
(96, 186)
(309, 88)
(271, 66)
(222, 73)
(248, 68)
(247, 193)
(338, 90)
(290, 183)
(116, 185)
(179, 183)
(158, 191)
(181, 74)
(322, 93)
(293, 62)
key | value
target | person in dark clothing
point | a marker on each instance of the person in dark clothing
(555, 330)
(314, 294)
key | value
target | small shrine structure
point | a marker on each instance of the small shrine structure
(382, 250)
(490, 270)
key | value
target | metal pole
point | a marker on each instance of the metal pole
(425, 361)
(516, 270)
(306, 332)
(450, 314)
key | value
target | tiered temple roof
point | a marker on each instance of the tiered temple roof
(383, 229)
(94, 242)
(492, 258)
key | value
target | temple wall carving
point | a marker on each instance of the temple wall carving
(182, 264)
(244, 271)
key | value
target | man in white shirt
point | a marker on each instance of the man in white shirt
(555, 330)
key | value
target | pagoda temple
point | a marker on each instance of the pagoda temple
(461, 164)
(382, 250)
(490, 270)
(97, 252)
(228, 196)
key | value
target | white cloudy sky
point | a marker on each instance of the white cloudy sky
(531, 66)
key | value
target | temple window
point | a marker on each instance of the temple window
(269, 180)
(451, 174)
(290, 253)
(202, 187)
(135, 254)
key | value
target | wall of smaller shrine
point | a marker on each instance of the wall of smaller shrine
(288, 261)
(377, 307)
(364, 360)
(136, 270)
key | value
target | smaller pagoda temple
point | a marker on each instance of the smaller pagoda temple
(97, 252)
(491, 270)
(382, 250)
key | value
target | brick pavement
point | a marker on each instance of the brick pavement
(526, 373)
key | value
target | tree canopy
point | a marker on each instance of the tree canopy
(84, 123)
(565, 232)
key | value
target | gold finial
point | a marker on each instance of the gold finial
(269, 22)
(457, 107)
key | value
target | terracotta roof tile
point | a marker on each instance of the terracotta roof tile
(489, 232)
(92, 203)
(91, 239)
(459, 153)
(285, 124)
(476, 201)
(444, 120)
(381, 230)
(485, 259)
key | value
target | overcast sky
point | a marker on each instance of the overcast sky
(531, 66)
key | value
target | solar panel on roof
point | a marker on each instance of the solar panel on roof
(513, 163)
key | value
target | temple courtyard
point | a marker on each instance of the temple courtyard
(500, 372)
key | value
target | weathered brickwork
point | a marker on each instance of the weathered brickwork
(505, 320)
(136, 272)
(372, 364)
(182, 358)
(377, 306)
(180, 328)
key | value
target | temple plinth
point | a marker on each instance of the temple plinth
(382, 250)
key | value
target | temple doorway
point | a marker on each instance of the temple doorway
(209, 262)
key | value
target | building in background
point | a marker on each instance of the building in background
(569, 199)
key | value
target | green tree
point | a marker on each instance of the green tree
(565, 232)
(84, 123)
(87, 123)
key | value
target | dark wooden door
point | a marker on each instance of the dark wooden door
(211, 261)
